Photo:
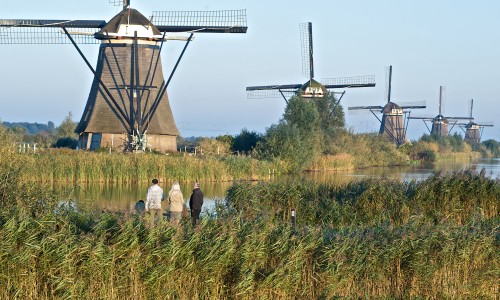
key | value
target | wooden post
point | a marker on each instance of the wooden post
(293, 217)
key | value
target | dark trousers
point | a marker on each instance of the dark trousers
(195, 216)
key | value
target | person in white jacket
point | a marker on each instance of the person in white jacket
(153, 202)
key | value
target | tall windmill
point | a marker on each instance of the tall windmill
(440, 123)
(128, 106)
(312, 88)
(394, 116)
(473, 131)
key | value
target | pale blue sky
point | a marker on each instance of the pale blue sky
(429, 43)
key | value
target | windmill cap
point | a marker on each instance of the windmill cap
(127, 17)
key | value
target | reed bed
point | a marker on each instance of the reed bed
(80, 167)
(73, 256)
(441, 198)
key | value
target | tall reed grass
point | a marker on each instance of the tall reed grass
(72, 166)
(439, 199)
(72, 255)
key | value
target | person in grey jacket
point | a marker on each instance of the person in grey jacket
(176, 204)
(195, 204)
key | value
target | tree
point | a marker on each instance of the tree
(67, 128)
(65, 133)
(331, 113)
(245, 141)
(286, 142)
(302, 114)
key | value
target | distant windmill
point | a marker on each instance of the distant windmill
(440, 123)
(473, 131)
(393, 120)
(312, 88)
(127, 105)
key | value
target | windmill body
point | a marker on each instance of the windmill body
(392, 123)
(101, 125)
(440, 126)
(128, 106)
(473, 131)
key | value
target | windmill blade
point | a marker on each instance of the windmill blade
(272, 91)
(263, 94)
(412, 104)
(293, 87)
(307, 50)
(31, 31)
(421, 118)
(219, 21)
(124, 3)
(459, 118)
(349, 82)
(375, 107)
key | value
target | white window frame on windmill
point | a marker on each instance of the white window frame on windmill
(396, 112)
(313, 92)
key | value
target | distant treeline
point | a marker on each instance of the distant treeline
(31, 128)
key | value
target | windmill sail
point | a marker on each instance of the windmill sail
(33, 31)
(220, 21)
(312, 88)
(307, 50)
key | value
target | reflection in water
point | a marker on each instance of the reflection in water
(122, 197)
(119, 197)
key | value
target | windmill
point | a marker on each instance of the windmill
(393, 120)
(128, 106)
(440, 123)
(312, 88)
(473, 131)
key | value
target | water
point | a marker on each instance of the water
(99, 197)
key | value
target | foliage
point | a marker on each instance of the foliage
(67, 128)
(245, 141)
(214, 146)
(32, 128)
(493, 146)
(66, 142)
(449, 143)
(286, 143)
(330, 112)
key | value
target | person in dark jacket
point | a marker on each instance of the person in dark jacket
(195, 204)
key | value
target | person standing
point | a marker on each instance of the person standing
(176, 203)
(195, 204)
(153, 202)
